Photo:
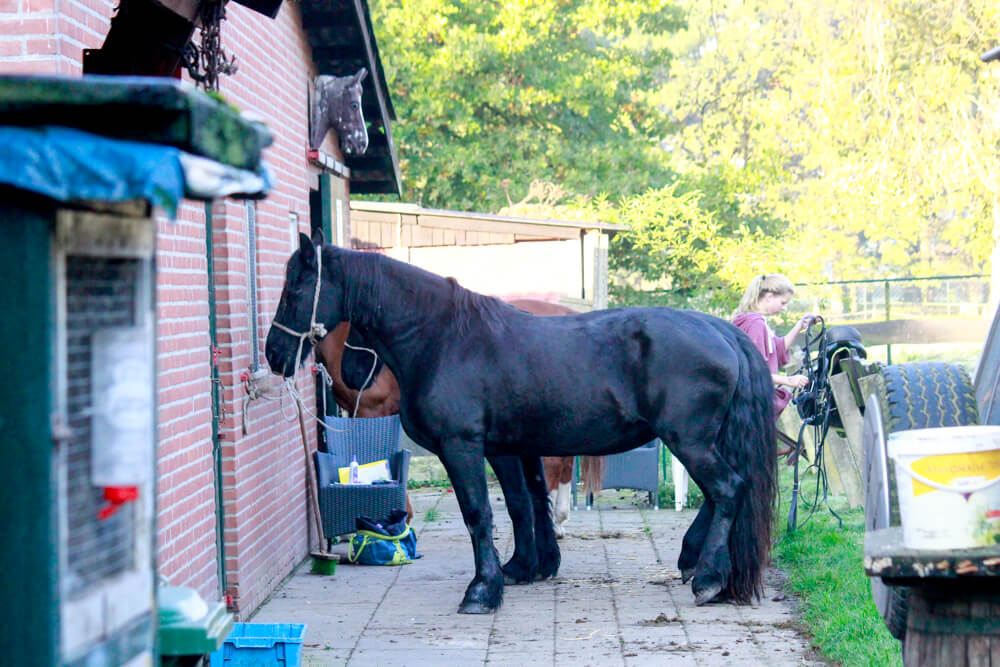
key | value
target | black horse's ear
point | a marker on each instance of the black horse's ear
(317, 237)
(306, 249)
(360, 76)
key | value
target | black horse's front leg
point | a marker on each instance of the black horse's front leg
(523, 565)
(464, 463)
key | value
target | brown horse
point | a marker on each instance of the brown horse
(381, 399)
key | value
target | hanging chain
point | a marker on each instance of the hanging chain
(206, 62)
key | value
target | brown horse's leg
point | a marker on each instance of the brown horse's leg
(558, 476)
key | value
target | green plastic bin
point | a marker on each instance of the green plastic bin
(257, 644)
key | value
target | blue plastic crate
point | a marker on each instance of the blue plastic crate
(254, 644)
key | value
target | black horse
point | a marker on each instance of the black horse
(479, 377)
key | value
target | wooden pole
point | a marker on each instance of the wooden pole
(311, 480)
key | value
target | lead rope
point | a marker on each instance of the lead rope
(371, 372)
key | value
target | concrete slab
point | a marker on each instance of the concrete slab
(618, 600)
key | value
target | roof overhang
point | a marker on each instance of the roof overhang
(340, 33)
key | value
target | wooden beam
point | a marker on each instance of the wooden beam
(954, 330)
(498, 227)
(850, 417)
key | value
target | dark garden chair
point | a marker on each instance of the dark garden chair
(637, 468)
(370, 440)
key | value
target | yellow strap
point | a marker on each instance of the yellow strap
(398, 558)
(382, 536)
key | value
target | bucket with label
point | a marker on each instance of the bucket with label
(948, 485)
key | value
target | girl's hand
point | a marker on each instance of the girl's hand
(803, 323)
(797, 381)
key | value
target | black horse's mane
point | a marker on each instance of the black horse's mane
(365, 283)
(469, 305)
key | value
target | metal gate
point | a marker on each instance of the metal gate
(105, 465)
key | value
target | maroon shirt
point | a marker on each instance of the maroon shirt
(772, 347)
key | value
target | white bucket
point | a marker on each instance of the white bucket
(947, 484)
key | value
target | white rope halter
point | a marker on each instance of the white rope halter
(316, 332)
(316, 329)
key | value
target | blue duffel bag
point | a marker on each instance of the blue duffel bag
(387, 542)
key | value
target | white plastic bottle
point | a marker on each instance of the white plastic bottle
(354, 470)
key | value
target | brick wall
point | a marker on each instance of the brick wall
(263, 480)
(46, 37)
(264, 483)
(186, 497)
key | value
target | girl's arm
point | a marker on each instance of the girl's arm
(799, 326)
(793, 381)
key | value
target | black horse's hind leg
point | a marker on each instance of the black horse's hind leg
(694, 540)
(545, 533)
(523, 565)
(724, 491)
(464, 464)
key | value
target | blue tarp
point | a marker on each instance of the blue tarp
(70, 165)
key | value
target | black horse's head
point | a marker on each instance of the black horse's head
(337, 105)
(304, 314)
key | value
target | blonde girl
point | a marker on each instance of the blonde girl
(765, 296)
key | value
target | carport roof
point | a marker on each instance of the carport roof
(487, 222)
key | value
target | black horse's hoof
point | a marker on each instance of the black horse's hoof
(516, 573)
(474, 607)
(709, 594)
(481, 598)
(686, 574)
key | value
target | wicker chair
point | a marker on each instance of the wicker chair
(369, 439)
(637, 468)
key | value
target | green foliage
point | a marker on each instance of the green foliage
(553, 90)
(865, 134)
(429, 484)
(824, 140)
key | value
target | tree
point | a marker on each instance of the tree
(861, 127)
(557, 90)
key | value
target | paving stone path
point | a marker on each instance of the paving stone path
(618, 600)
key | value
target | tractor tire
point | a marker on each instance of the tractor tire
(909, 396)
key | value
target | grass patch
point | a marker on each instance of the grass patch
(429, 484)
(666, 494)
(432, 515)
(823, 564)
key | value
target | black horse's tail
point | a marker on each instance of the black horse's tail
(748, 442)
